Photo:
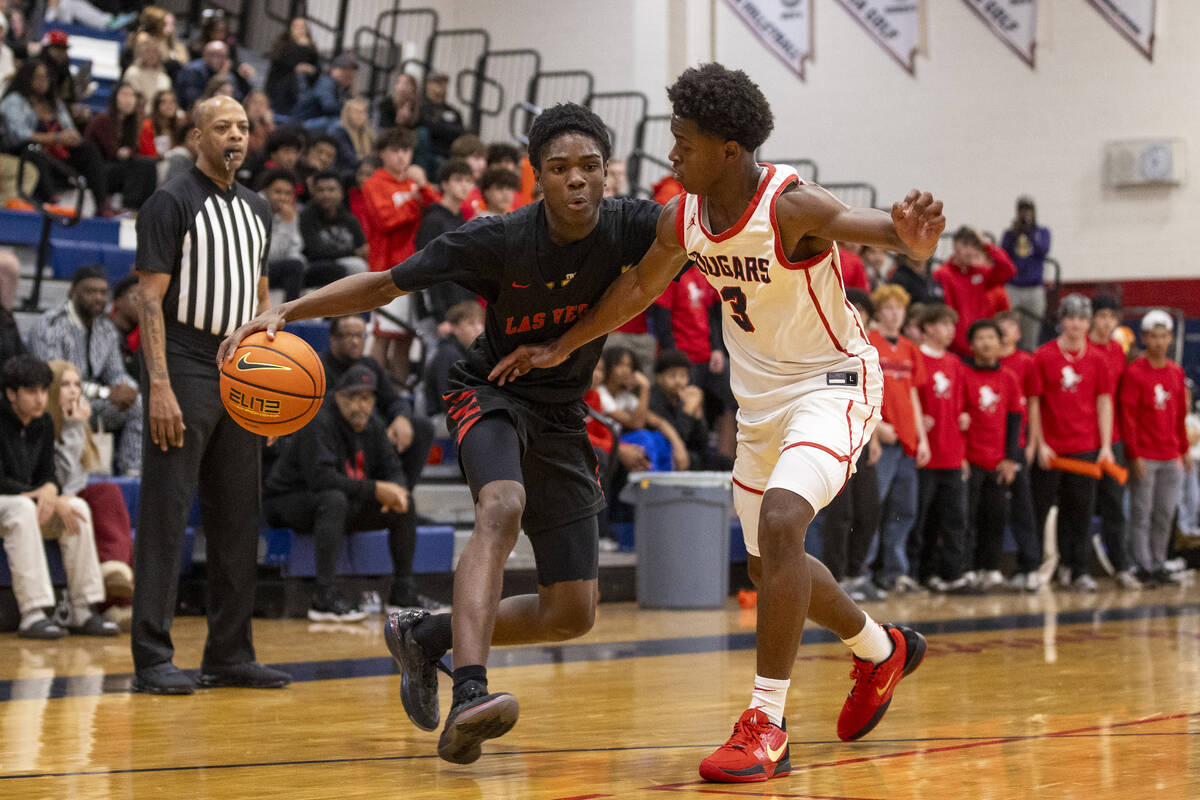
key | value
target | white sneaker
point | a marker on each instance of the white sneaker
(1127, 581)
(906, 585)
(1175, 565)
(1017, 582)
(1085, 583)
(971, 577)
(990, 580)
(1033, 581)
(935, 584)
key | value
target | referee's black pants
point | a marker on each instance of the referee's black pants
(222, 460)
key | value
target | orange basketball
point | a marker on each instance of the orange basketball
(273, 388)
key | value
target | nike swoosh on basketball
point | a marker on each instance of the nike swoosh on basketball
(774, 753)
(520, 285)
(888, 685)
(245, 364)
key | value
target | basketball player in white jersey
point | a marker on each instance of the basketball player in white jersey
(807, 382)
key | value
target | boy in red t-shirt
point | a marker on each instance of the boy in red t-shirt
(396, 198)
(995, 405)
(901, 434)
(1070, 415)
(935, 548)
(1110, 495)
(1152, 413)
(1021, 517)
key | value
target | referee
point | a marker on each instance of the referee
(202, 239)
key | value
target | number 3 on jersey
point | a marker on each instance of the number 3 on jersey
(737, 307)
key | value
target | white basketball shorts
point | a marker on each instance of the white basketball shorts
(808, 446)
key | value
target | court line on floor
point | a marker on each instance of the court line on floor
(337, 669)
(975, 742)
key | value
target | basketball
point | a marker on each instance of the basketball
(273, 388)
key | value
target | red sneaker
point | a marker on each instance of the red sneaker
(874, 683)
(757, 751)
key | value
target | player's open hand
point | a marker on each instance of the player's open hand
(919, 222)
(525, 358)
(271, 321)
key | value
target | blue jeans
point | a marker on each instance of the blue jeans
(897, 473)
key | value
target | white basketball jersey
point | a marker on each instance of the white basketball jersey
(784, 322)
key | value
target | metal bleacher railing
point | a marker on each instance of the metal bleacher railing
(50, 216)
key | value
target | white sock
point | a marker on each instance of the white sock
(769, 696)
(30, 618)
(872, 643)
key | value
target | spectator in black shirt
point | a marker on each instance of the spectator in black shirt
(124, 316)
(411, 435)
(455, 182)
(294, 60)
(676, 400)
(915, 278)
(442, 120)
(334, 243)
(338, 474)
(465, 321)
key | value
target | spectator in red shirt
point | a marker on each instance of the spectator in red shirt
(396, 198)
(1070, 415)
(854, 274)
(901, 434)
(687, 316)
(935, 547)
(1110, 495)
(976, 267)
(995, 406)
(1022, 519)
(1153, 408)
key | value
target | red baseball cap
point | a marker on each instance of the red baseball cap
(54, 37)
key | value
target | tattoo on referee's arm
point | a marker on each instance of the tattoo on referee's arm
(154, 342)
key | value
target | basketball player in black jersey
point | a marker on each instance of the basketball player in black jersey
(523, 447)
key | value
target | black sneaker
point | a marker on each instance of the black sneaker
(475, 717)
(164, 678)
(247, 675)
(330, 605)
(416, 601)
(44, 628)
(418, 672)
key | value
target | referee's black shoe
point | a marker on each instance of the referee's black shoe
(247, 675)
(418, 672)
(475, 717)
(164, 678)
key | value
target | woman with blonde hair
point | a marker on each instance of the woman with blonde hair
(146, 74)
(355, 136)
(75, 455)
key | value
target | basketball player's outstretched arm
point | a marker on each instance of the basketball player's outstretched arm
(350, 295)
(809, 211)
(624, 299)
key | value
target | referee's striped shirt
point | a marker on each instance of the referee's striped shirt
(213, 243)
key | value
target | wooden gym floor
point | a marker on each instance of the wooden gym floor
(1043, 696)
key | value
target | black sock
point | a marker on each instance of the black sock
(471, 672)
(434, 634)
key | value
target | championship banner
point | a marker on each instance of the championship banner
(785, 27)
(1014, 21)
(899, 27)
(1133, 18)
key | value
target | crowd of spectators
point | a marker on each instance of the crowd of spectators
(976, 410)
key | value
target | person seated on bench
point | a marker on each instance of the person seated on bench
(32, 508)
(339, 473)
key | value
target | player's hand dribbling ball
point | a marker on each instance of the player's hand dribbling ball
(273, 388)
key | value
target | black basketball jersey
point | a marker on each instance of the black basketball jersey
(535, 289)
